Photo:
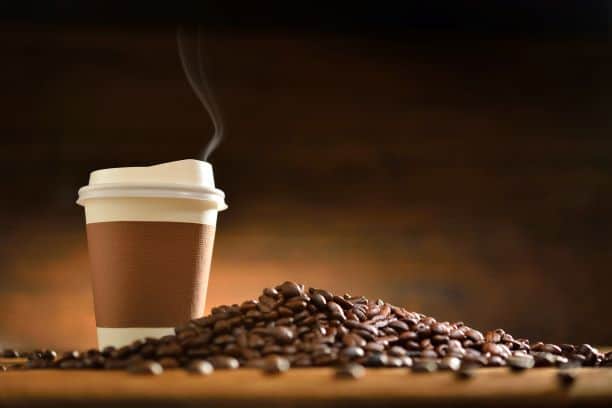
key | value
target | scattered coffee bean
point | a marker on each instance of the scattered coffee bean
(424, 366)
(145, 367)
(224, 362)
(288, 325)
(350, 371)
(275, 365)
(169, 363)
(520, 363)
(200, 367)
(11, 353)
(450, 363)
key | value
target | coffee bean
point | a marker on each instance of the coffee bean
(327, 295)
(223, 362)
(169, 350)
(352, 353)
(450, 363)
(146, 367)
(551, 348)
(496, 361)
(345, 304)
(336, 310)
(474, 335)
(493, 337)
(375, 359)
(270, 292)
(397, 351)
(350, 371)
(567, 348)
(10, 353)
(519, 363)
(353, 339)
(543, 359)
(275, 365)
(441, 329)
(283, 335)
(290, 289)
(315, 327)
(425, 365)
(169, 362)
(200, 367)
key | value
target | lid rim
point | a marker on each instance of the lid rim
(143, 190)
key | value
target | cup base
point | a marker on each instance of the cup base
(117, 337)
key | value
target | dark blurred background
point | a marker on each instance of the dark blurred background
(453, 157)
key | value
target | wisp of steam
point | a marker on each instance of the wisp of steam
(190, 52)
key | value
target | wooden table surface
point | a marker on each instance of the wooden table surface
(311, 387)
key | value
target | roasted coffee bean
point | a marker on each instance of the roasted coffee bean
(146, 367)
(397, 351)
(352, 339)
(350, 371)
(399, 326)
(345, 304)
(75, 354)
(551, 348)
(567, 348)
(474, 335)
(493, 337)
(441, 329)
(49, 355)
(425, 365)
(375, 347)
(543, 359)
(336, 310)
(282, 334)
(223, 362)
(290, 289)
(519, 363)
(169, 362)
(352, 353)
(10, 353)
(457, 335)
(71, 364)
(275, 365)
(428, 354)
(450, 363)
(375, 359)
(296, 305)
(315, 327)
(496, 361)
(270, 292)
(40, 363)
(112, 364)
(200, 367)
(169, 350)
(318, 301)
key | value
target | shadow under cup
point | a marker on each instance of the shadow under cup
(150, 262)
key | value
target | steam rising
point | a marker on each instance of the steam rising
(192, 61)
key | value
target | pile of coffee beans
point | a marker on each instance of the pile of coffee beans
(288, 326)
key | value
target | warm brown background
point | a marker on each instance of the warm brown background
(464, 176)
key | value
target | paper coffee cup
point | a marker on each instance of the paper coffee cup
(150, 233)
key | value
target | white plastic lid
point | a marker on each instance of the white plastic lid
(191, 179)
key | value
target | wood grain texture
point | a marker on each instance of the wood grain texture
(303, 387)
